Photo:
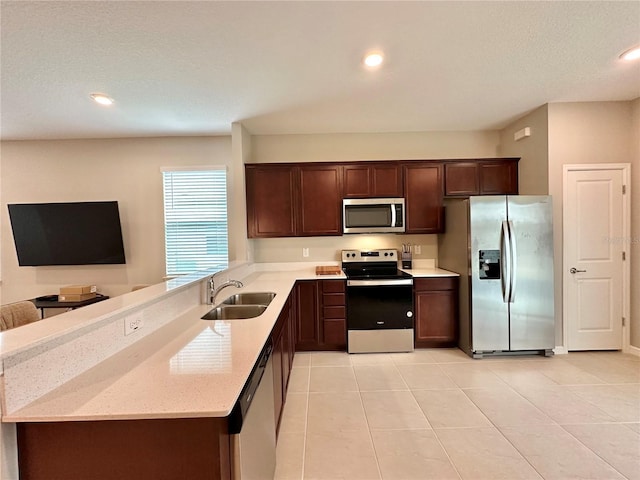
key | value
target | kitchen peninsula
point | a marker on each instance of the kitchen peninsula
(158, 407)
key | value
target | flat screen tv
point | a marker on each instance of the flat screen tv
(79, 233)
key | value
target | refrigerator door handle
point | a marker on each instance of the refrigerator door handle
(506, 261)
(514, 262)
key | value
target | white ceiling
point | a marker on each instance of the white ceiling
(194, 67)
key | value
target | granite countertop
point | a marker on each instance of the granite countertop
(188, 368)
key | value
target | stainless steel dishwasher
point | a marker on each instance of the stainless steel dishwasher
(252, 424)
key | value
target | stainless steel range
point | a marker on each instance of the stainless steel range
(379, 302)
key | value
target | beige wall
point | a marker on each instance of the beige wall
(239, 248)
(126, 170)
(533, 168)
(596, 132)
(373, 146)
(635, 223)
(349, 147)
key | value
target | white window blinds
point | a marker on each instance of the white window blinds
(195, 219)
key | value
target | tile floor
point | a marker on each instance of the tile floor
(438, 414)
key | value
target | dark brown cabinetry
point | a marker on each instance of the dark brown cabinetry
(372, 179)
(320, 315)
(423, 192)
(271, 201)
(320, 198)
(282, 359)
(305, 199)
(481, 177)
(461, 179)
(193, 448)
(306, 315)
(334, 314)
(498, 178)
(436, 311)
(290, 200)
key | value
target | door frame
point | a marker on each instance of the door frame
(625, 168)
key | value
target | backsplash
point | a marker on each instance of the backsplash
(323, 249)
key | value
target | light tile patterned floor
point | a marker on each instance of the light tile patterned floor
(438, 414)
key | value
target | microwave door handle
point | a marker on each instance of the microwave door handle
(393, 214)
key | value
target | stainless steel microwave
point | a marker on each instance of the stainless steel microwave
(373, 215)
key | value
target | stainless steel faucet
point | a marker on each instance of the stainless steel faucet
(213, 291)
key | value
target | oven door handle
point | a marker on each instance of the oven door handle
(378, 283)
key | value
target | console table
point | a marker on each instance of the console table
(41, 303)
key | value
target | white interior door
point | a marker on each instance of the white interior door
(593, 239)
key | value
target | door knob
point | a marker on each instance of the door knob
(575, 270)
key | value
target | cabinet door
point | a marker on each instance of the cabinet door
(270, 201)
(461, 179)
(307, 318)
(373, 180)
(499, 178)
(436, 312)
(423, 193)
(320, 201)
(357, 183)
(386, 180)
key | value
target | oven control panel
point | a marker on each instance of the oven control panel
(383, 255)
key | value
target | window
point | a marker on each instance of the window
(195, 219)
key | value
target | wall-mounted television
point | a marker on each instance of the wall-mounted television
(78, 233)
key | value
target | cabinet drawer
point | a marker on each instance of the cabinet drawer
(335, 312)
(333, 286)
(435, 283)
(333, 299)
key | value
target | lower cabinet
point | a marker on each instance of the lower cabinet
(333, 310)
(306, 315)
(436, 311)
(170, 448)
(320, 315)
(282, 359)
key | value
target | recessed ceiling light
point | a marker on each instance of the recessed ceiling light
(631, 54)
(373, 59)
(101, 98)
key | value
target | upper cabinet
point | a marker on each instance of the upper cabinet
(305, 199)
(499, 177)
(293, 200)
(481, 177)
(372, 179)
(423, 195)
(271, 200)
(320, 199)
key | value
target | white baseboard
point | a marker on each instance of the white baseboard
(561, 350)
(634, 350)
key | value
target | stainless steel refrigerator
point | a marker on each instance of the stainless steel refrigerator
(502, 247)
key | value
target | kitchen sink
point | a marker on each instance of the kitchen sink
(250, 298)
(234, 312)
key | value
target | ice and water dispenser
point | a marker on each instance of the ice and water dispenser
(489, 264)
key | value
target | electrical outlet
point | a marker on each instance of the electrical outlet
(417, 249)
(305, 252)
(132, 323)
